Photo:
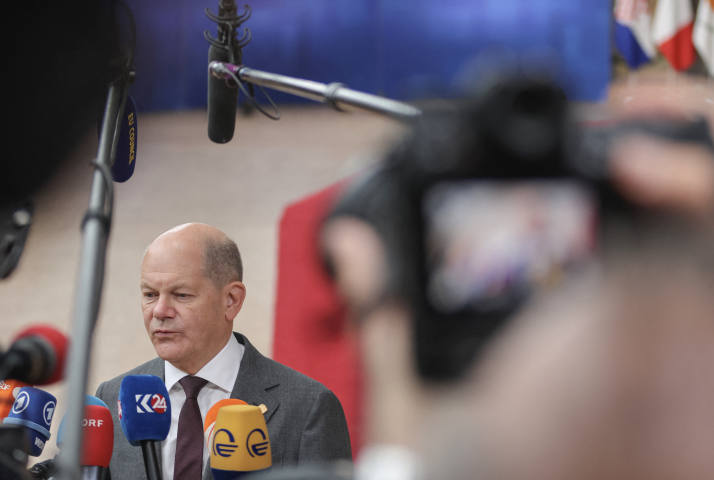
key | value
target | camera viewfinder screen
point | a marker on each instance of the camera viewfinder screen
(489, 242)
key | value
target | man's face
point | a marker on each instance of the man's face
(183, 312)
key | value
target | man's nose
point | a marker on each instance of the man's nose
(164, 308)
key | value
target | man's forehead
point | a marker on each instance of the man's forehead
(163, 281)
(174, 265)
(174, 250)
(172, 259)
(196, 233)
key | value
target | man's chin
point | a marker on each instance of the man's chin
(169, 351)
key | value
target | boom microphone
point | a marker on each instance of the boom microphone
(36, 356)
(225, 48)
(145, 416)
(240, 444)
(222, 101)
(210, 422)
(34, 410)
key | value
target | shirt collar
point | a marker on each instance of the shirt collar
(221, 371)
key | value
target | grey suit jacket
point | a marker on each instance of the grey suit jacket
(306, 423)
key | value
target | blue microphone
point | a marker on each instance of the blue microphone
(88, 400)
(125, 159)
(33, 409)
(145, 416)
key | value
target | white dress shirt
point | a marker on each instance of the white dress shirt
(221, 373)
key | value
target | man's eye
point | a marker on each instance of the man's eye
(183, 295)
(149, 295)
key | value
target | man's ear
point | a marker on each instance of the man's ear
(235, 294)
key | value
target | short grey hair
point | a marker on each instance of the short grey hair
(222, 263)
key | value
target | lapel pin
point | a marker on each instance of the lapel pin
(263, 408)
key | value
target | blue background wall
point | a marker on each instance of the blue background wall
(404, 49)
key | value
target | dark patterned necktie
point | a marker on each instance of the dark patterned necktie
(189, 437)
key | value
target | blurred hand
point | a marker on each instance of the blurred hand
(660, 174)
(664, 175)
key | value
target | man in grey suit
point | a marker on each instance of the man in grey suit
(191, 283)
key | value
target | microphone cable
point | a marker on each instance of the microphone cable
(252, 98)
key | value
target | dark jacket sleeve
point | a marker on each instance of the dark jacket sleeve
(325, 436)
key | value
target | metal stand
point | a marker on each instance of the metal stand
(90, 280)
(90, 276)
(336, 95)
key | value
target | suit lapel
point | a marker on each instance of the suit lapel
(254, 378)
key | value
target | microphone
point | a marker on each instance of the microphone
(222, 101)
(88, 400)
(240, 444)
(36, 356)
(124, 162)
(33, 409)
(96, 447)
(8, 393)
(226, 48)
(210, 422)
(98, 442)
(145, 416)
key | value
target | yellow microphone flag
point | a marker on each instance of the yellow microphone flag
(240, 440)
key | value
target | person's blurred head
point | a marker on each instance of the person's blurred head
(513, 131)
(370, 243)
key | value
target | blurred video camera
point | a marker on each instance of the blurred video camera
(485, 202)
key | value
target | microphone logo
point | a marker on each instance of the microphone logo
(21, 403)
(132, 138)
(158, 403)
(48, 412)
(258, 447)
(119, 408)
(92, 422)
(4, 386)
(224, 449)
